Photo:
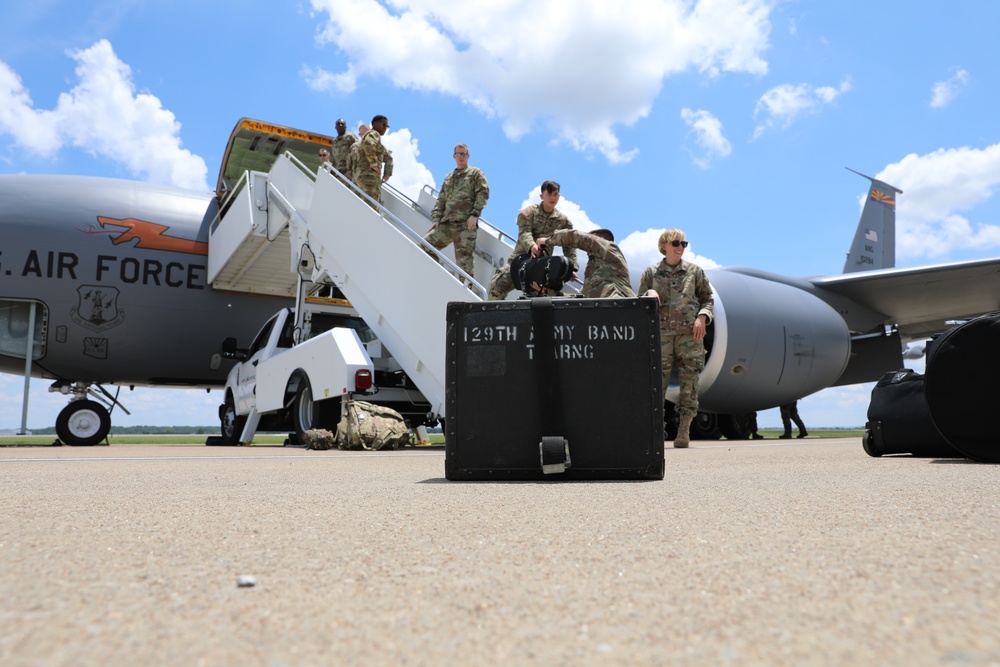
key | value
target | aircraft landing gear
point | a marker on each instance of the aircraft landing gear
(83, 423)
(735, 426)
(705, 426)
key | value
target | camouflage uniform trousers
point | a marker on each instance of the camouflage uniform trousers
(464, 240)
(372, 185)
(501, 284)
(689, 355)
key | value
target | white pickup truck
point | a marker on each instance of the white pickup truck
(293, 378)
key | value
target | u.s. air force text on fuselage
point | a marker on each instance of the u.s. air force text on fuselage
(67, 265)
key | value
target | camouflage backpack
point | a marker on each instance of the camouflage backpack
(370, 426)
(318, 438)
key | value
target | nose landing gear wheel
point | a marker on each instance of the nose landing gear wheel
(83, 424)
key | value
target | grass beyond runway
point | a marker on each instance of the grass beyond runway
(279, 439)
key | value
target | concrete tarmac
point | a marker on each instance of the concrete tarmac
(772, 552)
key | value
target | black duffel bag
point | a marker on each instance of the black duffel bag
(899, 421)
(547, 271)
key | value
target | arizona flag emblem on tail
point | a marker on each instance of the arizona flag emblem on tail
(883, 198)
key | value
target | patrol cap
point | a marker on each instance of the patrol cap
(604, 234)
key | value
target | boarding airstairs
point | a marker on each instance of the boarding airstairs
(280, 231)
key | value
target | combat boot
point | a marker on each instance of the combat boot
(683, 432)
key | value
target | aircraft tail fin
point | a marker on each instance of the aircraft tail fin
(874, 245)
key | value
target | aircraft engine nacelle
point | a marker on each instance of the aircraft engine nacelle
(771, 344)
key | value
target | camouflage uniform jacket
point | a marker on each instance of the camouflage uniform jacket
(684, 295)
(534, 223)
(371, 156)
(388, 165)
(607, 270)
(352, 161)
(464, 193)
(339, 151)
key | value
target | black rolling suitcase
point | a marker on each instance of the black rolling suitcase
(899, 421)
(554, 389)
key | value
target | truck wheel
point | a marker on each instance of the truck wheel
(305, 412)
(232, 424)
(83, 423)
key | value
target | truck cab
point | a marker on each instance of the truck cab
(294, 374)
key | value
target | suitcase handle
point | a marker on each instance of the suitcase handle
(553, 450)
(554, 454)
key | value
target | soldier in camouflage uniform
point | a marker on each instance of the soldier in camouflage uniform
(686, 306)
(534, 222)
(352, 155)
(372, 156)
(607, 271)
(455, 218)
(341, 147)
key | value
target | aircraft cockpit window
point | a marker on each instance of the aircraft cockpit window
(15, 320)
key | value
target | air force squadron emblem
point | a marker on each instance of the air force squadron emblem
(98, 308)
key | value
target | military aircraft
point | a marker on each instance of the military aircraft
(778, 338)
(103, 283)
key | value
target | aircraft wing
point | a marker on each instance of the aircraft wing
(920, 299)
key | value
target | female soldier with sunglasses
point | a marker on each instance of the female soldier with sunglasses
(686, 304)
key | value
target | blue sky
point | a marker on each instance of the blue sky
(731, 119)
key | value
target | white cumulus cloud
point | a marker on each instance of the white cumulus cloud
(943, 92)
(781, 105)
(707, 131)
(102, 115)
(409, 175)
(939, 189)
(575, 71)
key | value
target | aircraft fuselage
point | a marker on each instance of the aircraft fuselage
(117, 270)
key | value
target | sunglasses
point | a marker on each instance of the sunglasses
(679, 244)
(461, 154)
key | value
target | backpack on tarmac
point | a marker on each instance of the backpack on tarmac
(370, 426)
(319, 439)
